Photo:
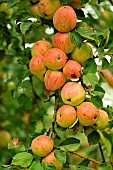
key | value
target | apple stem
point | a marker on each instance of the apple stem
(101, 151)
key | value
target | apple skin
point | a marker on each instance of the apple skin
(75, 4)
(37, 67)
(87, 114)
(42, 145)
(66, 116)
(63, 42)
(50, 158)
(73, 93)
(55, 59)
(47, 8)
(54, 80)
(72, 69)
(40, 47)
(102, 122)
(34, 10)
(64, 19)
(108, 73)
(5, 137)
(82, 54)
(6, 10)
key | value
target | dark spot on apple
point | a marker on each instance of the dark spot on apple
(58, 58)
(69, 100)
(73, 76)
(95, 116)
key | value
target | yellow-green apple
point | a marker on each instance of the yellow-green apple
(37, 67)
(73, 93)
(4, 8)
(5, 137)
(54, 80)
(47, 8)
(64, 19)
(72, 69)
(42, 145)
(108, 73)
(63, 42)
(66, 116)
(55, 59)
(40, 47)
(75, 4)
(87, 114)
(50, 158)
(102, 121)
(83, 53)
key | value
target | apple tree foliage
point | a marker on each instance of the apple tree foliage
(27, 108)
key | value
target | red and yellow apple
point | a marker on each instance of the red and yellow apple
(108, 73)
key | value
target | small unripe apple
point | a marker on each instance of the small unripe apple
(63, 42)
(64, 19)
(47, 8)
(40, 47)
(34, 10)
(42, 145)
(54, 80)
(37, 66)
(66, 116)
(102, 122)
(75, 4)
(87, 114)
(72, 69)
(5, 137)
(55, 59)
(82, 54)
(50, 158)
(108, 73)
(4, 8)
(73, 93)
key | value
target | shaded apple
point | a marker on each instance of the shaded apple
(63, 42)
(64, 19)
(42, 145)
(66, 116)
(4, 8)
(87, 114)
(33, 9)
(54, 80)
(72, 69)
(73, 93)
(75, 4)
(108, 73)
(55, 59)
(5, 137)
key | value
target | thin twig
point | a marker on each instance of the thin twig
(101, 151)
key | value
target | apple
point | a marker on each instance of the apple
(37, 67)
(66, 116)
(6, 10)
(73, 93)
(72, 69)
(40, 47)
(5, 137)
(64, 19)
(47, 8)
(108, 73)
(50, 158)
(87, 114)
(34, 10)
(54, 80)
(82, 54)
(102, 122)
(75, 4)
(63, 42)
(42, 145)
(55, 59)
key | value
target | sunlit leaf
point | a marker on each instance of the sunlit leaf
(60, 155)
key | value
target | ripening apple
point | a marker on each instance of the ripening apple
(47, 8)
(75, 4)
(87, 114)
(54, 80)
(50, 158)
(4, 8)
(37, 67)
(64, 19)
(83, 53)
(108, 73)
(102, 122)
(55, 59)
(40, 47)
(72, 69)
(5, 137)
(73, 93)
(63, 42)
(34, 10)
(42, 145)
(66, 116)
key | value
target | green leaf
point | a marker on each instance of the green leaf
(60, 155)
(83, 168)
(11, 3)
(24, 101)
(48, 166)
(85, 162)
(84, 1)
(90, 67)
(97, 101)
(100, 52)
(24, 26)
(90, 79)
(98, 91)
(111, 62)
(23, 159)
(70, 144)
(66, 2)
(93, 138)
(36, 165)
(104, 167)
(105, 63)
(76, 38)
